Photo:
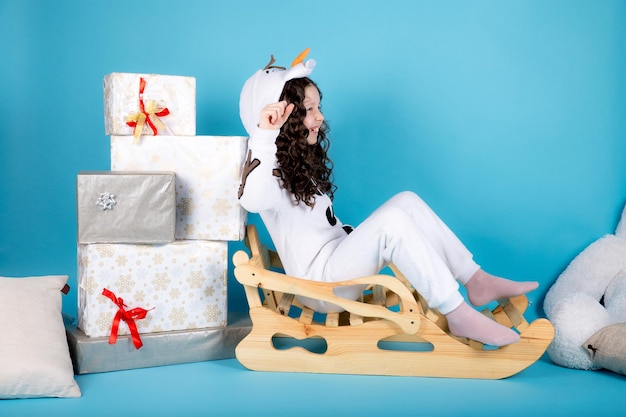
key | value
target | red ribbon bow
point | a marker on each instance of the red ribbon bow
(128, 316)
(147, 114)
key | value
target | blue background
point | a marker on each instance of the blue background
(506, 117)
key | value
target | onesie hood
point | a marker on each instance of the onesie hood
(265, 86)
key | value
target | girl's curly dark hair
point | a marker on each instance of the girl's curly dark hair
(305, 170)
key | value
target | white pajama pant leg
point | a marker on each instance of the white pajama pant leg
(406, 232)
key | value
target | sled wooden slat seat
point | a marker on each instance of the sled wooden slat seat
(389, 331)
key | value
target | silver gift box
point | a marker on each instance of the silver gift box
(126, 207)
(95, 354)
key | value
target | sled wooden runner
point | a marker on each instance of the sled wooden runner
(389, 331)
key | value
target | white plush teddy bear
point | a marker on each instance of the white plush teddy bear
(590, 296)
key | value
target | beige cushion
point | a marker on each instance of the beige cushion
(34, 356)
(607, 348)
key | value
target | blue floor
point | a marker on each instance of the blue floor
(225, 388)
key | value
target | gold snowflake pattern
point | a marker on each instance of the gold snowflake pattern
(142, 250)
(104, 321)
(209, 291)
(190, 229)
(91, 286)
(161, 281)
(83, 260)
(195, 279)
(121, 260)
(124, 283)
(175, 293)
(212, 313)
(222, 206)
(205, 236)
(225, 230)
(178, 250)
(105, 251)
(192, 326)
(140, 296)
(185, 206)
(157, 259)
(177, 316)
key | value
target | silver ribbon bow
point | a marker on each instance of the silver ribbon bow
(106, 201)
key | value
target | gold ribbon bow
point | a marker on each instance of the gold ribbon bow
(149, 114)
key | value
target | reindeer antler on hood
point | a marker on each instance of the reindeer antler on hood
(265, 86)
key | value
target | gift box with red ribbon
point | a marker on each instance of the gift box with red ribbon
(149, 104)
(130, 289)
(97, 354)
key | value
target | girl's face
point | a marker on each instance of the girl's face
(314, 117)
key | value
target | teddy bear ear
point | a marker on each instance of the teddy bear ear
(621, 226)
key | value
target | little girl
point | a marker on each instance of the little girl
(287, 180)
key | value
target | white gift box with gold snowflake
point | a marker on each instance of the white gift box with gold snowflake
(208, 174)
(183, 285)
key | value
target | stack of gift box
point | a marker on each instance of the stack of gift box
(153, 233)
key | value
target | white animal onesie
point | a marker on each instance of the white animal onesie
(313, 243)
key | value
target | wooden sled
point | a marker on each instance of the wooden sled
(390, 331)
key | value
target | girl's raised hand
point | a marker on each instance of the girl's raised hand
(274, 115)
